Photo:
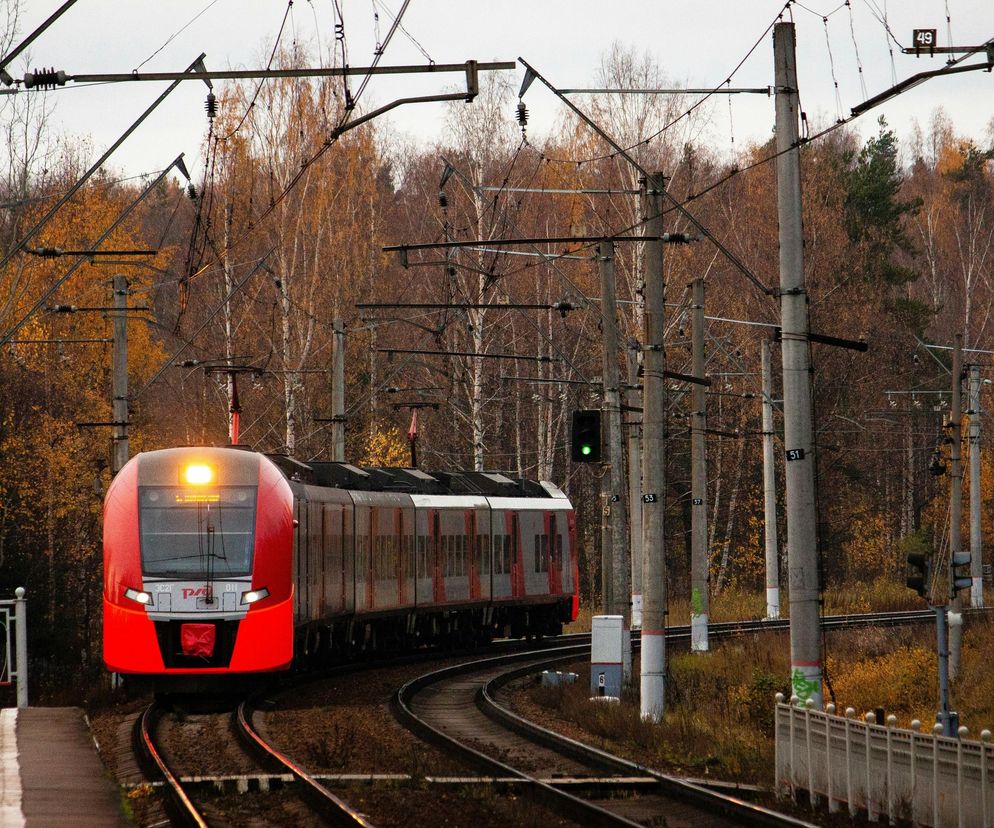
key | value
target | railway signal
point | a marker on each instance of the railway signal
(920, 565)
(959, 580)
(585, 436)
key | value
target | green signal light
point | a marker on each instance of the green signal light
(585, 449)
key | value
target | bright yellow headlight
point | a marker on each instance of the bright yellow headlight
(198, 474)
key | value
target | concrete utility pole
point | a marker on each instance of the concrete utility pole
(633, 400)
(653, 682)
(955, 505)
(699, 563)
(119, 381)
(976, 545)
(770, 491)
(614, 508)
(802, 548)
(338, 391)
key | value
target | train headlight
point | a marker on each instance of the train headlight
(140, 597)
(254, 595)
(198, 474)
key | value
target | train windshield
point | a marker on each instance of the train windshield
(195, 533)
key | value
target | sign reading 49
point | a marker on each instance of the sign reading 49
(924, 38)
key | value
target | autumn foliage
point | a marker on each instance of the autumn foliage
(284, 236)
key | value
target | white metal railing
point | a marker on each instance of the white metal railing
(14, 613)
(921, 778)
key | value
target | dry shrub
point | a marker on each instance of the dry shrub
(902, 681)
(973, 691)
(880, 595)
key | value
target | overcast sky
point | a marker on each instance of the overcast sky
(695, 43)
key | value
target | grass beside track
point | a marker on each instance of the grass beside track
(719, 705)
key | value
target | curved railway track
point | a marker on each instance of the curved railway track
(179, 806)
(330, 807)
(457, 710)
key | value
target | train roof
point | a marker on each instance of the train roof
(410, 481)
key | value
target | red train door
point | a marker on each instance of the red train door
(517, 570)
(555, 547)
(471, 545)
(435, 547)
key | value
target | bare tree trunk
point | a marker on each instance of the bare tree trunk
(730, 523)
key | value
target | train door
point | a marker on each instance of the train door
(484, 566)
(348, 558)
(422, 554)
(554, 544)
(374, 559)
(438, 551)
(399, 561)
(315, 576)
(362, 557)
(334, 559)
(472, 561)
(513, 523)
(574, 562)
(409, 568)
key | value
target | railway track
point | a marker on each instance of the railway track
(181, 805)
(330, 807)
(457, 710)
(181, 809)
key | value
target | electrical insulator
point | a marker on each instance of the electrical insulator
(443, 199)
(44, 79)
(211, 105)
(192, 192)
(522, 114)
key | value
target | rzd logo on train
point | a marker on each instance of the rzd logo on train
(190, 592)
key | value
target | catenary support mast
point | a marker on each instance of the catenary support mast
(653, 679)
(119, 406)
(802, 549)
(955, 505)
(614, 507)
(770, 491)
(699, 563)
(633, 399)
(976, 544)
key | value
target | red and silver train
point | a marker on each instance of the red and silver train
(226, 561)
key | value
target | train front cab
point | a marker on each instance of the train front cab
(196, 571)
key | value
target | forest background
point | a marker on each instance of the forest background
(898, 251)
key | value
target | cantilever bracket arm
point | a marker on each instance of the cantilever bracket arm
(472, 90)
(921, 77)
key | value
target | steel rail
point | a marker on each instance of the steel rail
(337, 811)
(732, 807)
(182, 810)
(584, 812)
(588, 813)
